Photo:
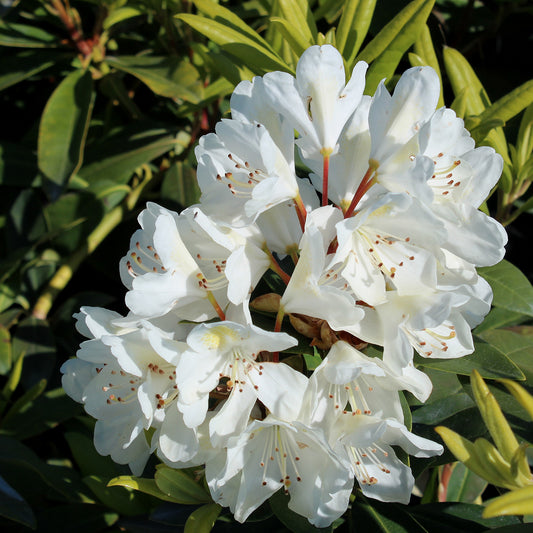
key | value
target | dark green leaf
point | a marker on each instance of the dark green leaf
(18, 165)
(293, 522)
(512, 290)
(21, 65)
(76, 518)
(489, 361)
(171, 76)
(22, 35)
(63, 127)
(117, 158)
(180, 185)
(435, 412)
(14, 507)
(375, 516)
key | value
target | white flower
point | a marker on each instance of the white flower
(233, 351)
(188, 264)
(242, 173)
(318, 102)
(366, 442)
(315, 289)
(273, 454)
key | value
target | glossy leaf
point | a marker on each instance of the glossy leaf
(353, 27)
(293, 38)
(488, 360)
(179, 486)
(524, 145)
(385, 51)
(119, 15)
(203, 519)
(257, 55)
(171, 76)
(509, 105)
(63, 127)
(436, 412)
(512, 290)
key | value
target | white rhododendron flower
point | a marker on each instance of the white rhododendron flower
(273, 326)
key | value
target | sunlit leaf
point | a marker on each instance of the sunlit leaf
(203, 519)
(179, 486)
(171, 77)
(516, 502)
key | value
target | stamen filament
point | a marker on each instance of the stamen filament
(301, 211)
(214, 303)
(367, 182)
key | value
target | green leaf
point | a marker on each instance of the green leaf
(463, 485)
(117, 157)
(512, 290)
(449, 517)
(424, 49)
(489, 361)
(518, 348)
(146, 486)
(22, 35)
(171, 76)
(293, 38)
(63, 127)
(179, 486)
(292, 521)
(119, 15)
(80, 517)
(383, 517)
(258, 56)
(516, 502)
(121, 499)
(23, 64)
(18, 165)
(509, 105)
(524, 144)
(41, 414)
(299, 16)
(14, 507)
(385, 51)
(461, 76)
(499, 317)
(436, 412)
(6, 357)
(353, 27)
(203, 519)
(180, 185)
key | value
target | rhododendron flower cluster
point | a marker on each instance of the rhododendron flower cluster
(330, 222)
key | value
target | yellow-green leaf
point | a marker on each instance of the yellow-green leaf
(385, 51)
(493, 417)
(462, 75)
(353, 27)
(147, 486)
(299, 16)
(521, 395)
(519, 502)
(293, 38)
(179, 486)
(257, 56)
(203, 519)
(424, 49)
